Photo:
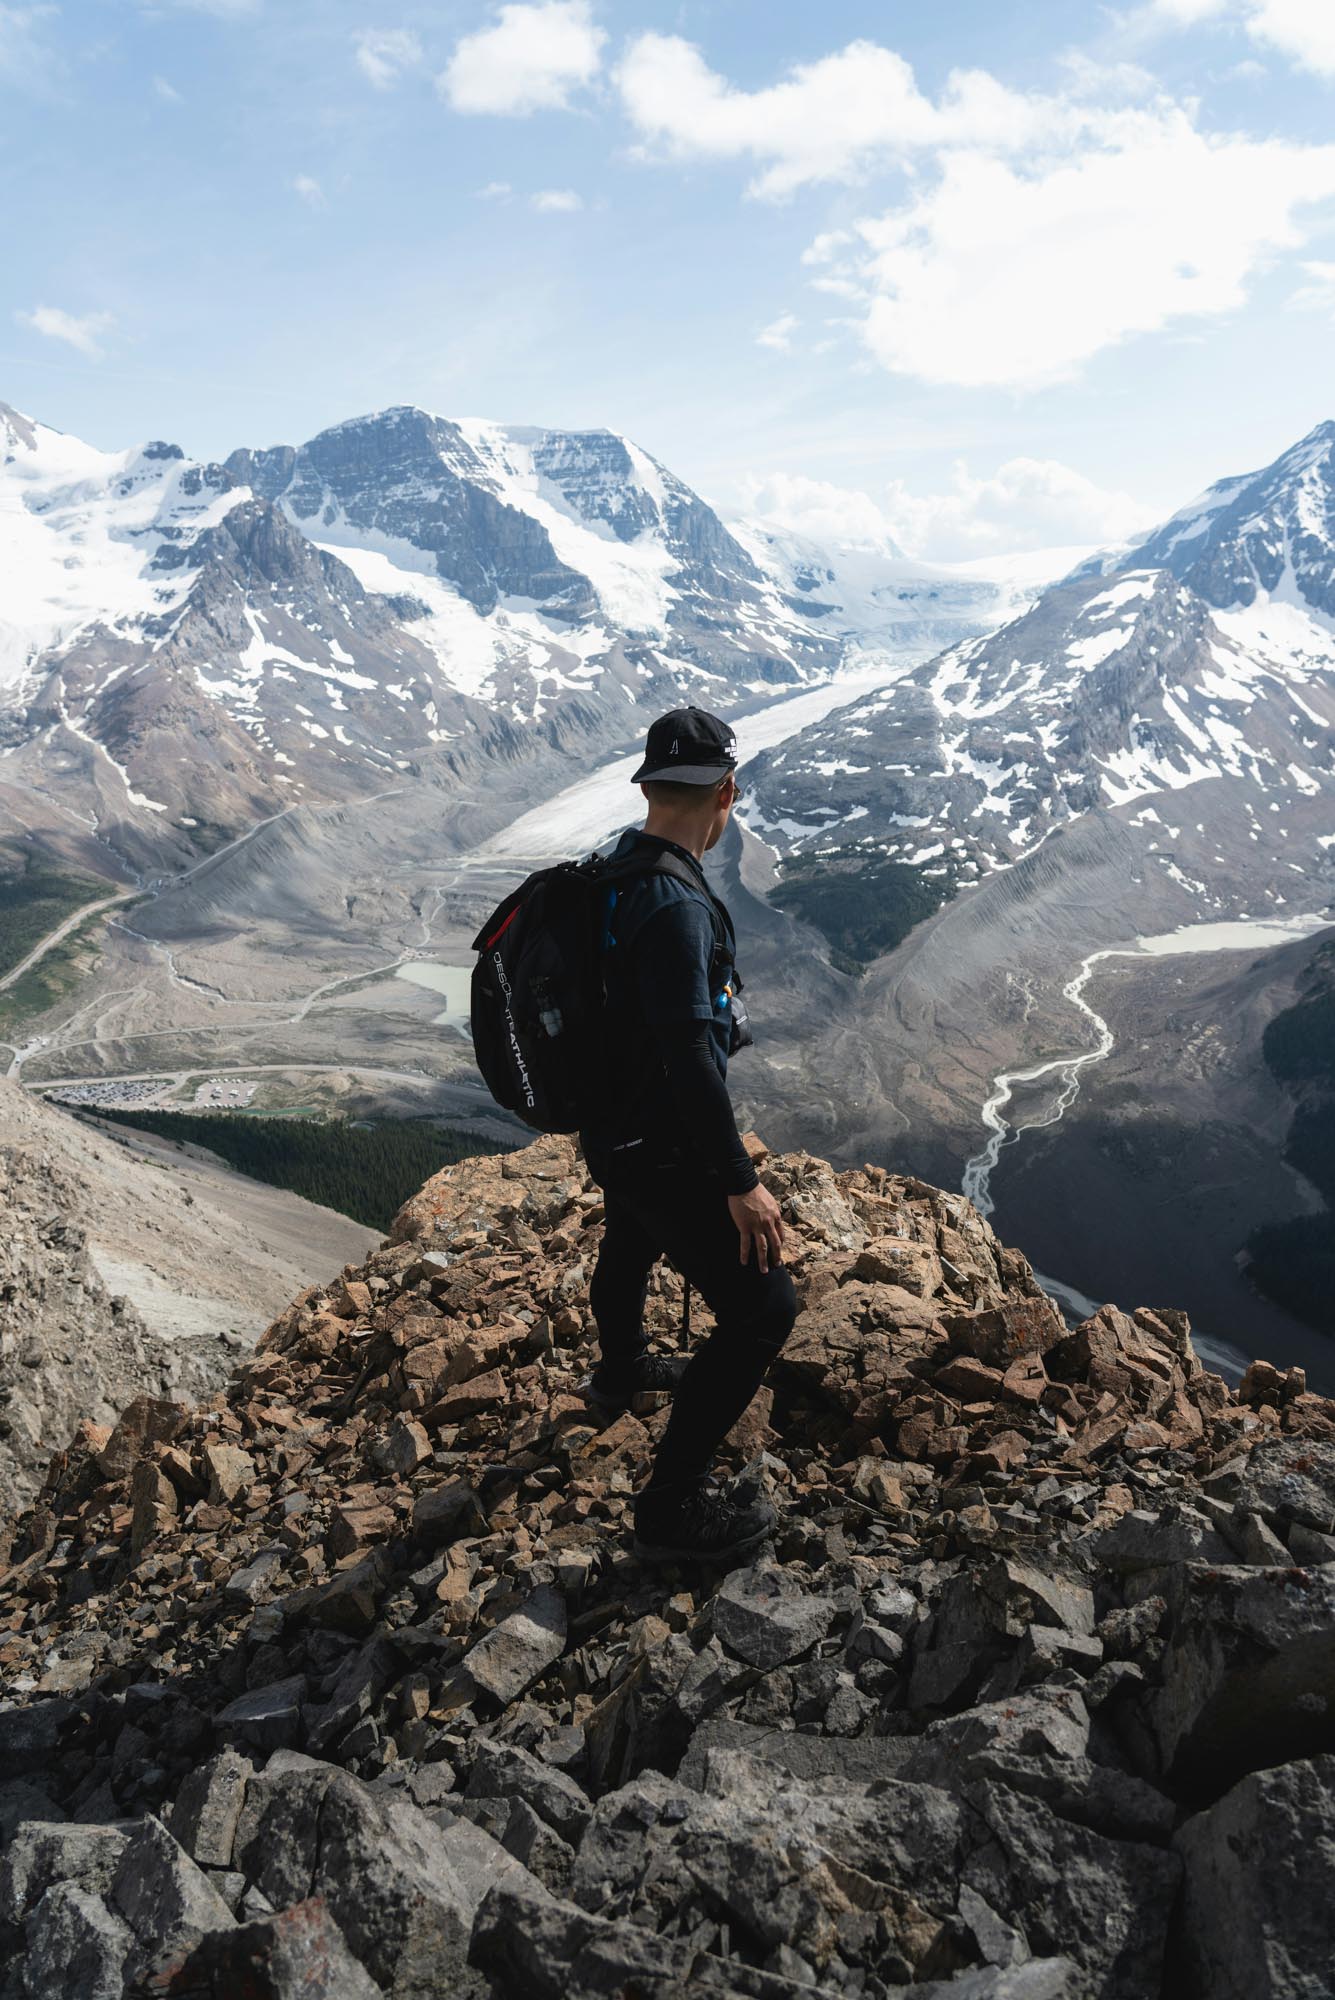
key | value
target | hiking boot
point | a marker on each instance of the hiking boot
(609, 1395)
(699, 1522)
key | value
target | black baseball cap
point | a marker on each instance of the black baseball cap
(689, 746)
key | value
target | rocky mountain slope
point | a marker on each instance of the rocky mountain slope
(128, 1269)
(345, 1683)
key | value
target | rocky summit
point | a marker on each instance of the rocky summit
(347, 1683)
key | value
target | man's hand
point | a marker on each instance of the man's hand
(759, 1223)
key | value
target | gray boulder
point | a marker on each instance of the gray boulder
(521, 1648)
(763, 1616)
(384, 1870)
(857, 1761)
(277, 1830)
(167, 1901)
(542, 1851)
(75, 1946)
(268, 1718)
(1104, 1903)
(1141, 1540)
(1047, 1721)
(1258, 1908)
(208, 1807)
(504, 1771)
(1286, 1480)
(772, 1853)
(297, 1954)
(45, 1852)
(20, 1801)
(1248, 1675)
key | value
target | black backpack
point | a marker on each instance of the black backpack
(538, 990)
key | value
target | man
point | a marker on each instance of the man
(666, 1151)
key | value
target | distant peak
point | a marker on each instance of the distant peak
(17, 428)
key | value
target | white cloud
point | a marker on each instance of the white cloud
(838, 516)
(1034, 229)
(309, 189)
(76, 330)
(1302, 30)
(995, 276)
(531, 59)
(495, 191)
(383, 54)
(831, 120)
(166, 91)
(556, 201)
(778, 334)
(1026, 504)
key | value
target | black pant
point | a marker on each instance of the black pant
(683, 1214)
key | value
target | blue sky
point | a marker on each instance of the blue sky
(978, 275)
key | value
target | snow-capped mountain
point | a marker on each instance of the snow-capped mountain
(1268, 536)
(185, 648)
(582, 526)
(1198, 668)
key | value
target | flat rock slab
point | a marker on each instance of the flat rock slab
(521, 1648)
(268, 1718)
(763, 1616)
(856, 1761)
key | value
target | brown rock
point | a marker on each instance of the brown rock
(404, 1446)
(971, 1380)
(922, 1437)
(145, 1422)
(998, 1333)
(350, 1600)
(155, 1504)
(229, 1471)
(484, 1392)
(1145, 1435)
(354, 1528)
(1001, 1453)
(1025, 1379)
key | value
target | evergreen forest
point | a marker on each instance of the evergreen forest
(366, 1171)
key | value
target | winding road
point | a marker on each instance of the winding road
(61, 932)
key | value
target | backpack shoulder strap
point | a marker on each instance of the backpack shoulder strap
(677, 870)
